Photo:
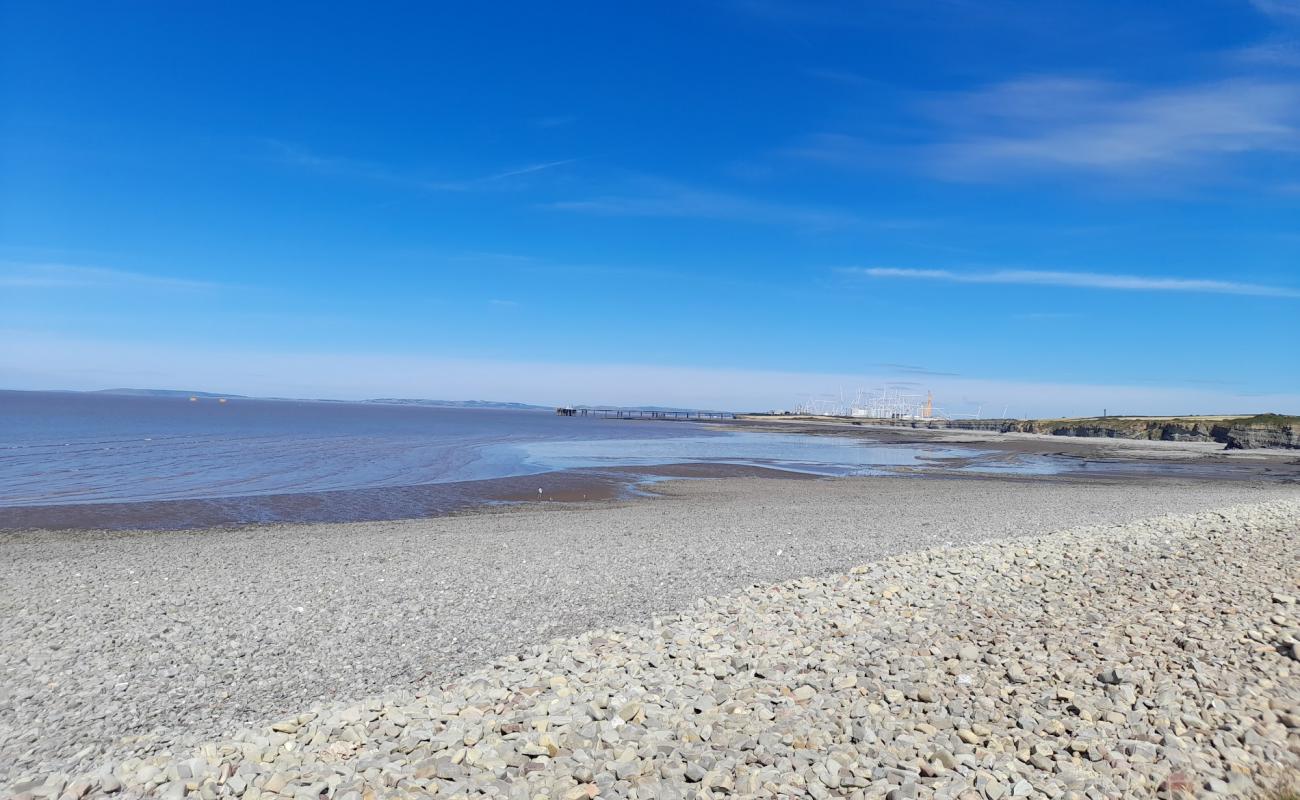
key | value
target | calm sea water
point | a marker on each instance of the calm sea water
(68, 448)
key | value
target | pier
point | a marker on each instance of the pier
(636, 413)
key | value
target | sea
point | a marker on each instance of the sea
(85, 459)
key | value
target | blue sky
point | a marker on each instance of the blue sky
(1051, 207)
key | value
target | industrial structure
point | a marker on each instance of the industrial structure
(888, 402)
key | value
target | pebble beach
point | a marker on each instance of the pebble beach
(742, 637)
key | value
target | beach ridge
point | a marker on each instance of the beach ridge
(1115, 658)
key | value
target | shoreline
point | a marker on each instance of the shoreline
(994, 456)
(1019, 442)
(122, 643)
(379, 504)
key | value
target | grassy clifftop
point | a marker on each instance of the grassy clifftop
(1235, 432)
(1245, 431)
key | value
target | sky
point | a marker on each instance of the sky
(1027, 208)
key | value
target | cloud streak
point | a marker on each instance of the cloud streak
(1275, 52)
(68, 276)
(1077, 124)
(1081, 280)
(1287, 9)
(660, 198)
(528, 170)
(912, 369)
(302, 158)
(1054, 124)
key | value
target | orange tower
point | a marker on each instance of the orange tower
(928, 411)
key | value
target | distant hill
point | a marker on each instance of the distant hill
(163, 393)
(398, 401)
(394, 401)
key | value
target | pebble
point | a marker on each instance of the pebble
(1086, 684)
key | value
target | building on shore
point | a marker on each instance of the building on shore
(888, 402)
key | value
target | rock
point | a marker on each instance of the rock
(276, 783)
(1099, 674)
(629, 710)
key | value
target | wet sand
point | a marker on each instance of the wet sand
(1145, 456)
(991, 455)
(369, 505)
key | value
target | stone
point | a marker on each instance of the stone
(629, 711)
(1099, 674)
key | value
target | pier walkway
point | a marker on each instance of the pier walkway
(635, 413)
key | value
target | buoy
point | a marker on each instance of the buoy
(194, 399)
(222, 400)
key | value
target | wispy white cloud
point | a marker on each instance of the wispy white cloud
(913, 369)
(848, 151)
(18, 275)
(1080, 280)
(1278, 8)
(1069, 124)
(1274, 52)
(660, 198)
(1088, 124)
(303, 158)
(504, 303)
(528, 170)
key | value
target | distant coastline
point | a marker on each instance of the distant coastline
(494, 404)
(1234, 431)
(391, 401)
(164, 393)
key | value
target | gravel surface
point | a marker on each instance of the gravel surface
(119, 645)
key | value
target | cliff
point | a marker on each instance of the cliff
(1265, 430)
(1260, 431)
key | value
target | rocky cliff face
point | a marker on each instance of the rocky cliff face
(1240, 437)
(1264, 431)
(1163, 430)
